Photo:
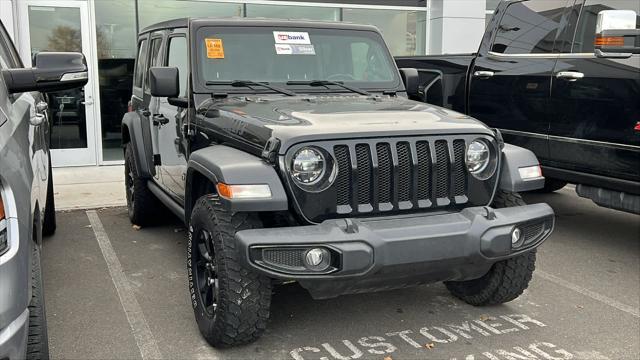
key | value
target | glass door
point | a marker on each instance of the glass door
(63, 26)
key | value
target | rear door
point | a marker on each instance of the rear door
(171, 120)
(510, 80)
(595, 112)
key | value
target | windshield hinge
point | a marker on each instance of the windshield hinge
(270, 151)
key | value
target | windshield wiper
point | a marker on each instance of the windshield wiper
(249, 84)
(329, 82)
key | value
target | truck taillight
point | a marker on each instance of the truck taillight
(4, 241)
(637, 127)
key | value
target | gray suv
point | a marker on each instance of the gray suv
(27, 211)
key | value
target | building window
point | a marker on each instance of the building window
(154, 11)
(116, 43)
(404, 31)
(293, 12)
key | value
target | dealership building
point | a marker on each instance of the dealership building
(85, 124)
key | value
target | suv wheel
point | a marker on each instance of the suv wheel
(49, 223)
(141, 202)
(507, 279)
(231, 303)
(38, 342)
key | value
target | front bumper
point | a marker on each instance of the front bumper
(393, 252)
(13, 338)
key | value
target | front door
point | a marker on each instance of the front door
(63, 26)
(511, 78)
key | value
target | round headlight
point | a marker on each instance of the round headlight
(478, 158)
(308, 166)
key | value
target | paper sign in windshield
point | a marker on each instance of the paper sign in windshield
(215, 50)
(282, 49)
(288, 37)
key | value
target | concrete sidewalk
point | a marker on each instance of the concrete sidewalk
(89, 187)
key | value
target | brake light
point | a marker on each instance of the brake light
(129, 106)
(609, 41)
(637, 127)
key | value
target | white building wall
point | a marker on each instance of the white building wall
(6, 16)
(456, 26)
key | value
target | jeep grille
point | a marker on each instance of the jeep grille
(395, 175)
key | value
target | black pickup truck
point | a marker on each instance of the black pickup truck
(561, 78)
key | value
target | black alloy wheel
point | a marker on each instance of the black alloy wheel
(206, 273)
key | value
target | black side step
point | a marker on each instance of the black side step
(166, 200)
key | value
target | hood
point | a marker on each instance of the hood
(308, 118)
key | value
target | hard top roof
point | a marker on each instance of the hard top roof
(238, 21)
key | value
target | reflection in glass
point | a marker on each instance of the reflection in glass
(58, 29)
(404, 31)
(529, 28)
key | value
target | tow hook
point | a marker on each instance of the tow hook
(489, 213)
(350, 226)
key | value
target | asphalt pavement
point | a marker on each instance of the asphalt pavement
(118, 292)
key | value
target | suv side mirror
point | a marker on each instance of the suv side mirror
(410, 79)
(616, 34)
(164, 82)
(54, 71)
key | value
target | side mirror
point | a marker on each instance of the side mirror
(616, 34)
(410, 79)
(164, 82)
(54, 71)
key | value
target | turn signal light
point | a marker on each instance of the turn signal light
(243, 191)
(2, 214)
(609, 41)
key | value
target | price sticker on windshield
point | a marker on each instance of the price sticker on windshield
(215, 49)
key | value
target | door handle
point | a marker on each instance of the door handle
(86, 102)
(37, 119)
(570, 75)
(160, 119)
(483, 74)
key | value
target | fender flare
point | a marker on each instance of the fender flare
(220, 163)
(140, 139)
(513, 158)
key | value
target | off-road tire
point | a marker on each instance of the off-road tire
(244, 296)
(49, 222)
(551, 185)
(507, 279)
(141, 204)
(38, 340)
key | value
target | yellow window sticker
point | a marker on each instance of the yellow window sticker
(215, 50)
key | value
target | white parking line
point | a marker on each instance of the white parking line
(594, 295)
(144, 337)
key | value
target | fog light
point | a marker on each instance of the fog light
(516, 236)
(317, 259)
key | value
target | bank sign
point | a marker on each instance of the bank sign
(289, 37)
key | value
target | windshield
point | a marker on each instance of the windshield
(286, 55)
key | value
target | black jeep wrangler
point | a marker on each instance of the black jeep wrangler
(292, 153)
